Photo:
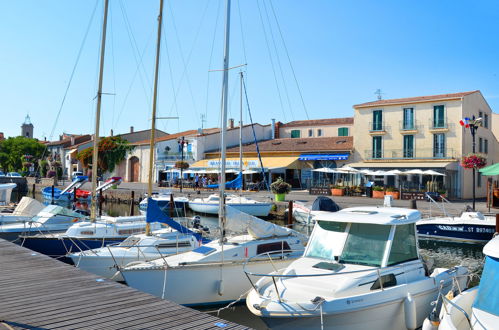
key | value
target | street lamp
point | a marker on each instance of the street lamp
(473, 125)
(181, 143)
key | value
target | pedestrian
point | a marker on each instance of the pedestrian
(196, 182)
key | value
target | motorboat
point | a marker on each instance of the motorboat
(6, 193)
(86, 235)
(361, 270)
(52, 219)
(476, 308)
(163, 199)
(213, 274)
(211, 205)
(54, 193)
(26, 209)
(470, 227)
(304, 212)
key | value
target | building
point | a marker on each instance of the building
(424, 133)
(63, 150)
(330, 127)
(27, 128)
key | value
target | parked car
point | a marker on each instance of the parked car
(75, 174)
(2, 173)
(14, 175)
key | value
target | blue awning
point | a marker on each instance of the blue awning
(323, 157)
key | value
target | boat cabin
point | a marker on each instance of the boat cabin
(367, 236)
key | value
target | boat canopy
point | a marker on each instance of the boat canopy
(323, 203)
(491, 249)
(241, 222)
(51, 210)
(28, 207)
(237, 183)
(373, 215)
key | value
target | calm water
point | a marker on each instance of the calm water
(443, 254)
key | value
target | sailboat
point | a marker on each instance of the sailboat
(213, 273)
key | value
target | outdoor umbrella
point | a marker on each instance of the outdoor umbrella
(432, 173)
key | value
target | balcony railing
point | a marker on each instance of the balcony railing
(377, 127)
(409, 126)
(440, 153)
(442, 124)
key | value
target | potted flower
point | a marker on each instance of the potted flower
(392, 191)
(378, 192)
(338, 190)
(442, 193)
(475, 161)
(280, 188)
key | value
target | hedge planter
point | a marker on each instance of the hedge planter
(279, 197)
(337, 192)
(395, 194)
(378, 194)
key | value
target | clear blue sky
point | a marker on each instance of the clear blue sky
(341, 52)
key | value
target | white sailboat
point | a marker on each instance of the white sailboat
(361, 270)
(213, 273)
(211, 205)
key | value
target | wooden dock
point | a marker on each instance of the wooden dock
(38, 292)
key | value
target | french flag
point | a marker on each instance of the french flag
(464, 122)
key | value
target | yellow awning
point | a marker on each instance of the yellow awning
(251, 162)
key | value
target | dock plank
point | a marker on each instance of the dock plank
(39, 292)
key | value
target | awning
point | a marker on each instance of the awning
(253, 162)
(323, 157)
(446, 165)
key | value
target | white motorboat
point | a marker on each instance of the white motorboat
(361, 270)
(211, 205)
(213, 273)
(163, 199)
(51, 219)
(106, 261)
(6, 192)
(470, 227)
(476, 308)
(26, 209)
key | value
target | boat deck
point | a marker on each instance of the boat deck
(38, 292)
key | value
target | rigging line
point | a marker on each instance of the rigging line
(137, 69)
(254, 137)
(165, 123)
(278, 59)
(289, 59)
(135, 52)
(271, 61)
(185, 72)
(111, 25)
(210, 60)
(242, 33)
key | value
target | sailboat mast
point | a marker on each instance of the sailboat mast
(241, 126)
(154, 103)
(223, 142)
(93, 209)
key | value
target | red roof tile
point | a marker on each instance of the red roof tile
(319, 122)
(416, 99)
(300, 145)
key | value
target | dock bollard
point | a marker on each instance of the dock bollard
(52, 202)
(33, 191)
(497, 222)
(413, 204)
(131, 203)
(290, 213)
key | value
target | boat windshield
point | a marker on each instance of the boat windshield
(488, 289)
(326, 240)
(365, 244)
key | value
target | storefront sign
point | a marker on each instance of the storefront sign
(234, 163)
(412, 195)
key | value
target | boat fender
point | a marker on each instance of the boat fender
(410, 312)
(429, 325)
(221, 288)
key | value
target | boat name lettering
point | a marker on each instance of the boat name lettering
(353, 301)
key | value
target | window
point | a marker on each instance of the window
(295, 133)
(343, 131)
(310, 133)
(377, 120)
(408, 122)
(486, 121)
(319, 132)
(323, 240)
(365, 244)
(377, 147)
(408, 146)
(478, 179)
(486, 146)
(439, 145)
(438, 116)
(272, 247)
(480, 145)
(480, 114)
(403, 245)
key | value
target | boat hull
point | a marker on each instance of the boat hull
(59, 247)
(256, 209)
(471, 233)
(206, 278)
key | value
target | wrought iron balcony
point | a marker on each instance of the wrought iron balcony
(409, 126)
(440, 125)
(416, 153)
(377, 127)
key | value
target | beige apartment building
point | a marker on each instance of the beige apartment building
(330, 127)
(424, 133)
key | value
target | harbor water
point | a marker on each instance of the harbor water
(441, 253)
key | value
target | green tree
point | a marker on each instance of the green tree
(13, 150)
(112, 151)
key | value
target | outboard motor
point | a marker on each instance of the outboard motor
(196, 222)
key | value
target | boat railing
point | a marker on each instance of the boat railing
(457, 307)
(279, 273)
(440, 206)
